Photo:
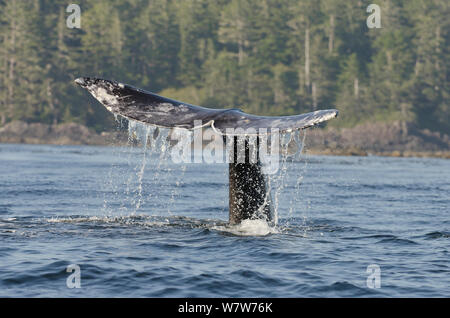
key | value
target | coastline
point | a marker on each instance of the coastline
(378, 139)
(396, 153)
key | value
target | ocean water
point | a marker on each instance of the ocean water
(138, 225)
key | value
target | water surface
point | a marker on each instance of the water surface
(150, 228)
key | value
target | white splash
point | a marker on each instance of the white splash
(140, 220)
(248, 228)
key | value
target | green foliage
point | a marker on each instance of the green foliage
(266, 57)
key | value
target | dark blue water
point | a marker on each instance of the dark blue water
(163, 233)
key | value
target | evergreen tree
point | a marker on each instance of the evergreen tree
(22, 55)
(266, 57)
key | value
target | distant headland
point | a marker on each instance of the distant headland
(395, 139)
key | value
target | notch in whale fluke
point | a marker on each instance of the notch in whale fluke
(149, 108)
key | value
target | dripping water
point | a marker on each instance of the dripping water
(291, 151)
(145, 142)
(151, 145)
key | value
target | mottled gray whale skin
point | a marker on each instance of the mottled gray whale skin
(146, 107)
(249, 197)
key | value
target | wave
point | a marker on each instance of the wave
(437, 235)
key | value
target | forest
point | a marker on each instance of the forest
(267, 57)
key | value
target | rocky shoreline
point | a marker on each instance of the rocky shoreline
(394, 139)
(19, 132)
(385, 139)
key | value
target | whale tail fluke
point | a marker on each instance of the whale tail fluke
(249, 197)
(149, 108)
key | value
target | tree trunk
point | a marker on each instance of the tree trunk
(11, 63)
(307, 59)
(250, 84)
(438, 50)
(389, 59)
(51, 104)
(331, 37)
(241, 53)
(417, 67)
(314, 95)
